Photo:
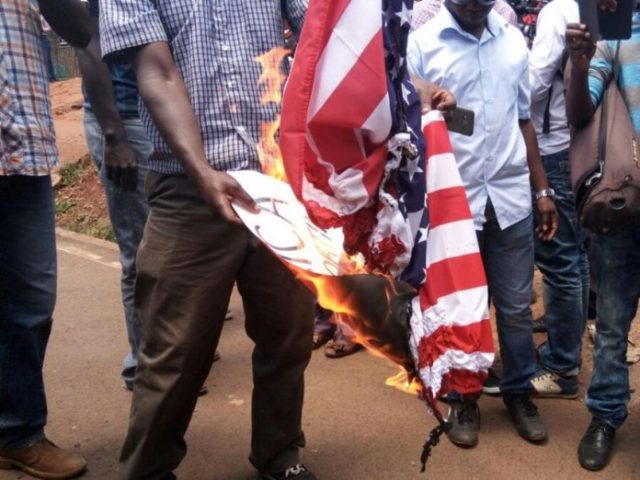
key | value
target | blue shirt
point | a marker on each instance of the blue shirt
(491, 77)
(123, 78)
(601, 68)
(214, 45)
(27, 139)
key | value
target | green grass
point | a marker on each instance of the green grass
(71, 173)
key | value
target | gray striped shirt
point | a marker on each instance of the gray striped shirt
(214, 44)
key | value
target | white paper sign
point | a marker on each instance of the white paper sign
(284, 226)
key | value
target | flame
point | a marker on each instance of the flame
(374, 307)
(271, 80)
(405, 383)
(344, 295)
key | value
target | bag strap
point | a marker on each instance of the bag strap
(602, 136)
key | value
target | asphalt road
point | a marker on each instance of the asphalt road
(356, 427)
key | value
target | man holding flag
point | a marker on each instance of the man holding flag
(482, 60)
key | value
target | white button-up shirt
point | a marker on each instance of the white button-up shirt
(491, 77)
(546, 74)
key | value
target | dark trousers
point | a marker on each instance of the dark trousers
(508, 261)
(188, 262)
(27, 299)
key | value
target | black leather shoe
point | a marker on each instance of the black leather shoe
(526, 418)
(465, 420)
(596, 445)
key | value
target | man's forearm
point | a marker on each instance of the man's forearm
(165, 95)
(536, 168)
(579, 106)
(99, 87)
(69, 19)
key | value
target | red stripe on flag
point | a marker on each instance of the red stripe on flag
(448, 205)
(451, 275)
(463, 381)
(473, 338)
(438, 136)
(339, 109)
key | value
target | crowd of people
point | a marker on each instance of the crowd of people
(172, 105)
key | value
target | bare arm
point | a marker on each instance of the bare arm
(166, 97)
(119, 157)
(581, 50)
(69, 19)
(548, 223)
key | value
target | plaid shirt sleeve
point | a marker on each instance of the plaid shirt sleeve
(10, 131)
(126, 25)
(295, 10)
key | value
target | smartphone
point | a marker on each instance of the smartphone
(461, 120)
(605, 25)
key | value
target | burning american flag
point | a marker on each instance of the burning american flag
(353, 142)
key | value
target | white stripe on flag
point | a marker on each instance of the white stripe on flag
(451, 240)
(442, 172)
(459, 309)
(454, 360)
(378, 125)
(358, 25)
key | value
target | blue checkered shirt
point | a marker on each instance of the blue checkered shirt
(27, 140)
(214, 44)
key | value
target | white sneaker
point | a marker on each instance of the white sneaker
(552, 385)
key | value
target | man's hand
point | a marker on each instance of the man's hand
(548, 219)
(434, 97)
(219, 189)
(120, 164)
(580, 46)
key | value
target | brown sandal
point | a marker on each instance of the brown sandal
(341, 348)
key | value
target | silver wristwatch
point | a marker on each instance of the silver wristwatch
(545, 192)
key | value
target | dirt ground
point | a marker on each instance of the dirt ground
(80, 201)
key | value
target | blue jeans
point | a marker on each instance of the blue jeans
(27, 299)
(128, 213)
(46, 47)
(508, 260)
(617, 266)
(564, 264)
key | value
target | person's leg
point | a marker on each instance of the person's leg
(508, 259)
(187, 264)
(128, 213)
(27, 300)
(562, 261)
(46, 47)
(279, 319)
(617, 266)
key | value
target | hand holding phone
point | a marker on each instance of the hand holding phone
(461, 120)
(607, 24)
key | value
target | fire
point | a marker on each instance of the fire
(271, 81)
(373, 306)
(405, 383)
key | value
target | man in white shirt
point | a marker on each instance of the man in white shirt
(563, 260)
(474, 53)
